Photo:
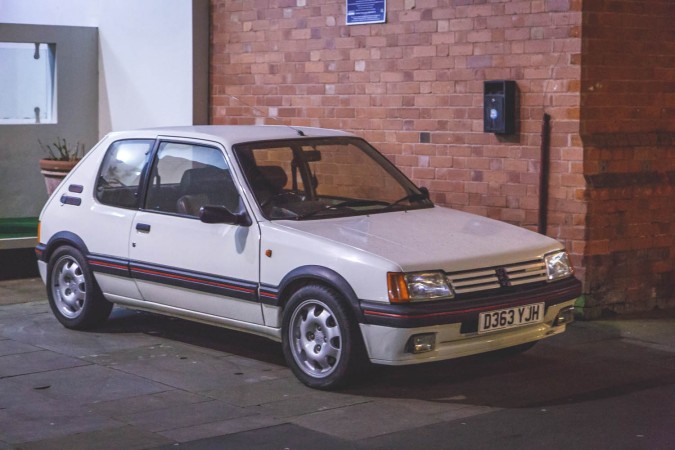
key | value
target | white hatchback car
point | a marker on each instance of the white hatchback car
(306, 236)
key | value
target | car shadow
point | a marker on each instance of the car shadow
(194, 333)
(584, 364)
(571, 368)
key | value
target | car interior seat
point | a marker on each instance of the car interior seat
(206, 186)
(268, 182)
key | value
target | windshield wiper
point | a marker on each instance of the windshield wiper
(343, 204)
(413, 197)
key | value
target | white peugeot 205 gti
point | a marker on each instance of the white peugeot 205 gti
(306, 236)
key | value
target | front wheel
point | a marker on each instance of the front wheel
(74, 296)
(321, 341)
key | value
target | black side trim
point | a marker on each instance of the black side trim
(230, 287)
(109, 265)
(269, 295)
(457, 311)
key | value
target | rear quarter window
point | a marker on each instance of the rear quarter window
(119, 179)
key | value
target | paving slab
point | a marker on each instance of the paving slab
(89, 384)
(180, 367)
(27, 414)
(24, 309)
(651, 329)
(284, 436)
(377, 417)
(21, 291)
(39, 328)
(185, 416)
(114, 438)
(264, 390)
(285, 405)
(220, 429)
(35, 362)
(146, 404)
(10, 347)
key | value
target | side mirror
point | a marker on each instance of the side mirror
(220, 214)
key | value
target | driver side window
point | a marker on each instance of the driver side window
(186, 177)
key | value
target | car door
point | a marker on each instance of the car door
(178, 261)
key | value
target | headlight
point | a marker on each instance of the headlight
(558, 265)
(418, 287)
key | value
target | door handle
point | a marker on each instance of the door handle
(143, 227)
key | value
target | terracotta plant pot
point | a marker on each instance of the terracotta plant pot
(54, 172)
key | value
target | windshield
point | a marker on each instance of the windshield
(309, 178)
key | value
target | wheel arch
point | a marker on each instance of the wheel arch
(305, 275)
(63, 238)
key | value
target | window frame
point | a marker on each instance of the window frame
(147, 181)
(242, 152)
(50, 82)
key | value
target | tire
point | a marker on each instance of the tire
(321, 342)
(74, 296)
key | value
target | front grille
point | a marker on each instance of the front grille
(485, 279)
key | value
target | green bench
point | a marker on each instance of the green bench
(18, 232)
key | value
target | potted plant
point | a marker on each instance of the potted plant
(61, 158)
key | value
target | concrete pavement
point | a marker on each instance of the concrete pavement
(147, 381)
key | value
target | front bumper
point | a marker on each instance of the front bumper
(387, 329)
(387, 345)
(42, 268)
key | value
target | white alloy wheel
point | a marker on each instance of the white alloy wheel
(74, 297)
(315, 338)
(68, 286)
(321, 339)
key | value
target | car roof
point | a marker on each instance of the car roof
(231, 134)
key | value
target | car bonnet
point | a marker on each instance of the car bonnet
(435, 238)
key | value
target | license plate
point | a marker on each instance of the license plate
(510, 317)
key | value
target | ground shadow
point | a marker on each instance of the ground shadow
(578, 366)
(214, 338)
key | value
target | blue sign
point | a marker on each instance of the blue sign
(366, 11)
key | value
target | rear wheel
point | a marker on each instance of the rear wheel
(74, 297)
(321, 342)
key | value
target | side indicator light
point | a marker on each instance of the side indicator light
(398, 288)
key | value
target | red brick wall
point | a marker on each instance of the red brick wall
(421, 72)
(628, 129)
(604, 70)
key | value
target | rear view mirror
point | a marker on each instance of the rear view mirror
(312, 155)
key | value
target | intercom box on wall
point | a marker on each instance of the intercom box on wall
(499, 106)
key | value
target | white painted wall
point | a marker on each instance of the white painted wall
(145, 55)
